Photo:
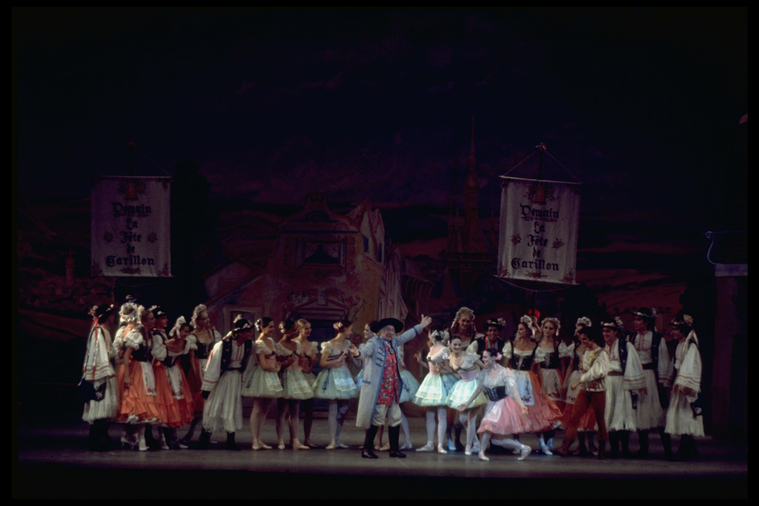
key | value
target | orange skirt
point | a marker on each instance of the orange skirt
(173, 412)
(136, 406)
(195, 382)
(544, 413)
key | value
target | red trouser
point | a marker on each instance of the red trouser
(582, 402)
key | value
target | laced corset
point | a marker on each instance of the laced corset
(548, 359)
(284, 351)
(521, 360)
(204, 349)
(438, 359)
(270, 356)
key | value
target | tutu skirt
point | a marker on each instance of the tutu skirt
(504, 418)
(296, 386)
(410, 386)
(223, 408)
(108, 407)
(262, 383)
(137, 406)
(543, 413)
(462, 391)
(434, 390)
(334, 384)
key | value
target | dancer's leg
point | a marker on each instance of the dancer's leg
(332, 423)
(282, 412)
(442, 426)
(429, 414)
(484, 440)
(308, 422)
(406, 433)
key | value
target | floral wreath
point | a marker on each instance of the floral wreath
(555, 321)
(687, 320)
(584, 320)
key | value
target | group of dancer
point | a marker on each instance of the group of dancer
(150, 376)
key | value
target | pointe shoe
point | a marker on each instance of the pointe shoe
(451, 444)
(310, 444)
(426, 448)
(442, 450)
(264, 446)
(385, 447)
(143, 447)
(297, 445)
(256, 445)
(341, 446)
(281, 445)
(331, 446)
(476, 448)
(407, 446)
(482, 456)
(164, 446)
(467, 450)
(524, 452)
(545, 450)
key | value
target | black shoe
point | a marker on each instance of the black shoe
(205, 440)
(398, 454)
(368, 453)
(231, 445)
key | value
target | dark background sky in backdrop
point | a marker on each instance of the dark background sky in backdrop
(641, 104)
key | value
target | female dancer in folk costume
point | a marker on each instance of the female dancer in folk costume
(684, 417)
(128, 319)
(307, 360)
(99, 369)
(464, 363)
(587, 425)
(624, 382)
(654, 358)
(261, 380)
(222, 383)
(505, 414)
(547, 355)
(136, 380)
(170, 416)
(435, 388)
(201, 341)
(166, 353)
(542, 412)
(296, 386)
(592, 394)
(335, 382)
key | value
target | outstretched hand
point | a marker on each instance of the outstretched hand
(426, 321)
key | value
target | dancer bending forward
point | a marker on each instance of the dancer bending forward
(504, 414)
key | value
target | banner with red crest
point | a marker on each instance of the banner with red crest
(131, 227)
(538, 230)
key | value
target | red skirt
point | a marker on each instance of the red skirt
(544, 413)
(136, 406)
(173, 412)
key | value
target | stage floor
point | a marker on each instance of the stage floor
(53, 462)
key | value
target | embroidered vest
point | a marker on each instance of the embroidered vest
(226, 354)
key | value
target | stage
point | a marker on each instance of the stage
(53, 462)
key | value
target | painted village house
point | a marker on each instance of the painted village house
(322, 266)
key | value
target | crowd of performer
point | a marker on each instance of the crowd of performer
(602, 382)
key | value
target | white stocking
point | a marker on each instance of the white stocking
(442, 426)
(430, 414)
(509, 444)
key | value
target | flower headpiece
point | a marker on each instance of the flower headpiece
(338, 326)
(687, 320)
(499, 323)
(440, 335)
(584, 320)
(259, 324)
(616, 323)
(178, 325)
(527, 320)
(555, 321)
(128, 311)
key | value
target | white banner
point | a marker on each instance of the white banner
(131, 230)
(538, 230)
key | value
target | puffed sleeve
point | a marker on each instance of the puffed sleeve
(599, 369)
(634, 378)
(159, 350)
(281, 350)
(213, 368)
(326, 348)
(260, 347)
(133, 339)
(566, 351)
(507, 351)
(689, 374)
(192, 342)
(471, 355)
(665, 367)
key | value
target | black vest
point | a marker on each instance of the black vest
(168, 361)
(520, 363)
(143, 353)
(551, 361)
(226, 353)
